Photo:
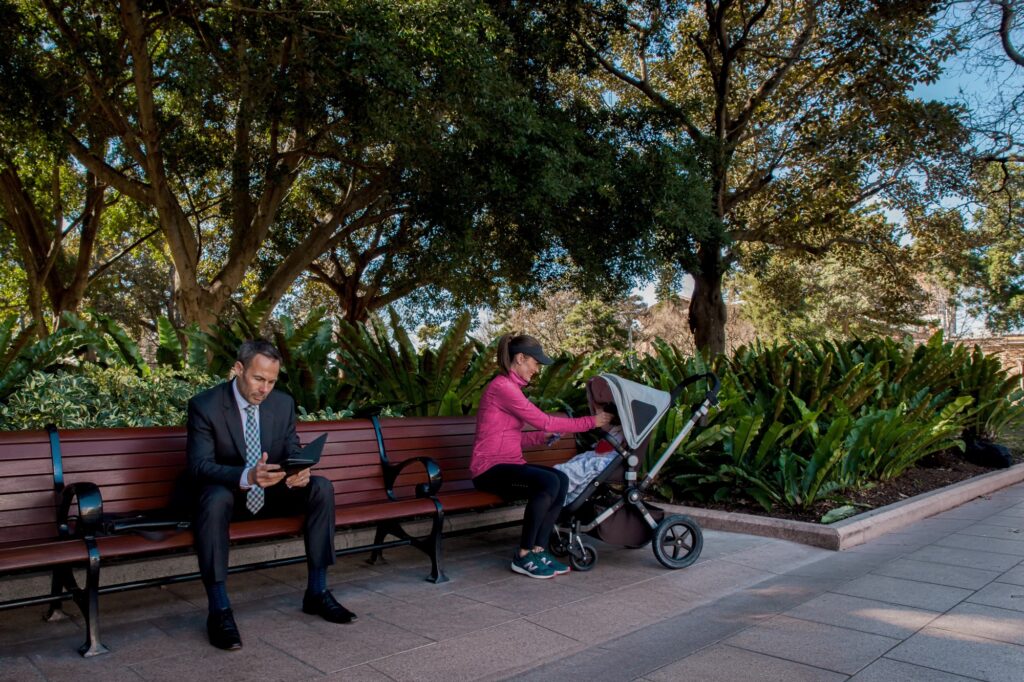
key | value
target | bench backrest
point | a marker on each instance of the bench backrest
(449, 441)
(27, 501)
(137, 468)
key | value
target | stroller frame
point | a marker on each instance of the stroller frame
(677, 539)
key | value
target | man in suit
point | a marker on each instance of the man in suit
(238, 433)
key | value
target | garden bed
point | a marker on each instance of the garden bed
(936, 471)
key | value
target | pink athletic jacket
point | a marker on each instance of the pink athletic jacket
(499, 424)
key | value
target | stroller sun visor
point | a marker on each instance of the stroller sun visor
(640, 407)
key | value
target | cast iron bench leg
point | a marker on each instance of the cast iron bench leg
(62, 578)
(88, 602)
(433, 546)
(378, 538)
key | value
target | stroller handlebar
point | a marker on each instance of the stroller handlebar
(713, 382)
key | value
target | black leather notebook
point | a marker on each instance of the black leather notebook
(309, 456)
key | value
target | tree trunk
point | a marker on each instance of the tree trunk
(707, 308)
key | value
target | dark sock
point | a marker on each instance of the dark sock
(317, 580)
(217, 594)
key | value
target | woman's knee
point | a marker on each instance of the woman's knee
(563, 482)
(554, 482)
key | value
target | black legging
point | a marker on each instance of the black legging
(545, 489)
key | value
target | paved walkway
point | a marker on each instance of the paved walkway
(942, 600)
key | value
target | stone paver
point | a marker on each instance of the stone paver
(986, 561)
(866, 615)
(940, 574)
(723, 663)
(906, 592)
(941, 600)
(1001, 546)
(18, 669)
(984, 621)
(987, 530)
(484, 653)
(1003, 595)
(962, 654)
(1015, 576)
(888, 670)
(823, 646)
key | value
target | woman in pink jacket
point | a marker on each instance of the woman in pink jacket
(498, 465)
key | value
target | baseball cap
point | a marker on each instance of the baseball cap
(535, 352)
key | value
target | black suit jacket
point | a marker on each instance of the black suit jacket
(216, 443)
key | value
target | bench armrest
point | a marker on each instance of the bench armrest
(90, 509)
(428, 489)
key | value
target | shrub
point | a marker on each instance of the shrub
(801, 422)
(95, 397)
(385, 370)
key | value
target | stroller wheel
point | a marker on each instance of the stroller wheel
(583, 558)
(558, 545)
(678, 541)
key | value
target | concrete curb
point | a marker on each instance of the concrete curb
(861, 528)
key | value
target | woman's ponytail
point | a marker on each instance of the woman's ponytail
(504, 361)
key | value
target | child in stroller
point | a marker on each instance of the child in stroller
(586, 466)
(610, 504)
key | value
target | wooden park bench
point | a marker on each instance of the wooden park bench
(89, 497)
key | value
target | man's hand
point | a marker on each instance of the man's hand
(300, 479)
(265, 475)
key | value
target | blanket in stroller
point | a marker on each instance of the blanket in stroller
(586, 466)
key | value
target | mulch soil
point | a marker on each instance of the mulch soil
(936, 471)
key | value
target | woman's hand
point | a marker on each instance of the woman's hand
(602, 419)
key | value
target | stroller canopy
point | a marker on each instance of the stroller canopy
(640, 407)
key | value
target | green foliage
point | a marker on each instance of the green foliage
(996, 269)
(998, 399)
(817, 133)
(846, 293)
(22, 353)
(798, 422)
(560, 386)
(310, 372)
(595, 327)
(95, 397)
(385, 369)
(801, 422)
(326, 414)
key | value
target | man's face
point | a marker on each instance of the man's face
(256, 381)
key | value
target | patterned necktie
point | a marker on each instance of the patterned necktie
(254, 499)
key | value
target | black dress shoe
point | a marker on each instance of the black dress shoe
(327, 607)
(221, 628)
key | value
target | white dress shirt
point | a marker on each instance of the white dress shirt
(242, 404)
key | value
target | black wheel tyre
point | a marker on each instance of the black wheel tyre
(678, 541)
(583, 560)
(558, 546)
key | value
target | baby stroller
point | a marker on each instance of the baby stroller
(612, 506)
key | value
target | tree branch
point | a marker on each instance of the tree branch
(1005, 25)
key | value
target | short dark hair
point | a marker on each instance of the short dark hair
(250, 348)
